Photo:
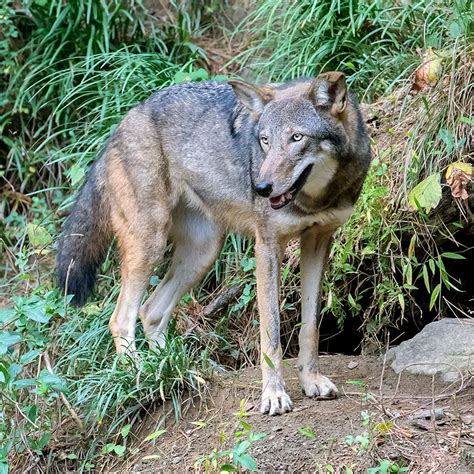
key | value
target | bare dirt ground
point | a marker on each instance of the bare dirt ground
(392, 417)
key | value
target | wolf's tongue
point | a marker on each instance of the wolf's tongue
(277, 200)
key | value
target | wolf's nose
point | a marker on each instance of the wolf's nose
(263, 188)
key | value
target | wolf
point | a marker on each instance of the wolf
(198, 160)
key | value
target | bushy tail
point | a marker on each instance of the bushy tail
(85, 239)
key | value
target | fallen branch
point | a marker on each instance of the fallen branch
(221, 301)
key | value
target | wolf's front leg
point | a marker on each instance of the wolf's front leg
(275, 401)
(314, 251)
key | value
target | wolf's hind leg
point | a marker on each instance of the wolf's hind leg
(139, 254)
(197, 244)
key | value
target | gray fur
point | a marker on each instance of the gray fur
(182, 167)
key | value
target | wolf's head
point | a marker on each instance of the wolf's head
(301, 128)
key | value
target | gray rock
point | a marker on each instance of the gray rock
(444, 347)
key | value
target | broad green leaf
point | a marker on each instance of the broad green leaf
(76, 173)
(242, 447)
(248, 462)
(38, 235)
(119, 449)
(125, 430)
(426, 194)
(6, 315)
(37, 313)
(455, 29)
(6, 340)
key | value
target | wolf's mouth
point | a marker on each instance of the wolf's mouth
(282, 200)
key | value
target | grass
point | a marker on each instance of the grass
(374, 42)
(64, 89)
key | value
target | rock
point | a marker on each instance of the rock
(444, 347)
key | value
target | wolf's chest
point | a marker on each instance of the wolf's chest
(291, 225)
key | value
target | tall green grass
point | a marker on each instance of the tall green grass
(376, 43)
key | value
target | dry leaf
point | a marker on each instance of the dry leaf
(458, 181)
(429, 72)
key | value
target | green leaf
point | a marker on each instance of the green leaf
(434, 295)
(37, 313)
(426, 278)
(401, 301)
(228, 468)
(268, 361)
(6, 340)
(248, 462)
(246, 426)
(76, 173)
(155, 435)
(125, 430)
(455, 29)
(242, 447)
(44, 441)
(119, 449)
(453, 256)
(6, 315)
(306, 431)
(38, 235)
(467, 120)
(257, 437)
(426, 194)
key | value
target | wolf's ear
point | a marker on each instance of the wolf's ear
(329, 90)
(253, 97)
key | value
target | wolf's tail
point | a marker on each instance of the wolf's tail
(85, 239)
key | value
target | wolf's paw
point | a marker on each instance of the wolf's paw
(275, 402)
(317, 385)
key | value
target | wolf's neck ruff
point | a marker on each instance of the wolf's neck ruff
(185, 166)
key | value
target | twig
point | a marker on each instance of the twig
(221, 301)
(17, 406)
(433, 408)
(461, 386)
(69, 407)
(382, 375)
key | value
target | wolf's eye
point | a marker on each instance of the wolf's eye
(264, 139)
(296, 137)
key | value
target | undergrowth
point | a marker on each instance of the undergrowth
(376, 43)
(70, 71)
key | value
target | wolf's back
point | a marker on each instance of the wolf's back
(85, 239)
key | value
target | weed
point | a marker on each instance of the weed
(235, 459)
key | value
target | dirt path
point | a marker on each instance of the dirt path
(314, 436)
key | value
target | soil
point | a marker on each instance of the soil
(394, 412)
